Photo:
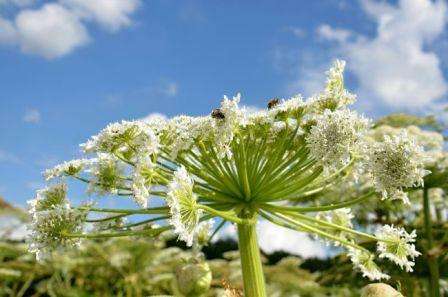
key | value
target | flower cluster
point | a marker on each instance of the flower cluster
(364, 261)
(395, 164)
(237, 164)
(396, 245)
(52, 218)
(183, 206)
(336, 136)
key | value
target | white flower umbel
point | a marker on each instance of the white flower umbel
(397, 245)
(183, 206)
(395, 164)
(48, 229)
(228, 119)
(72, 167)
(335, 95)
(181, 132)
(341, 217)
(335, 136)
(142, 180)
(48, 198)
(125, 138)
(364, 261)
(106, 175)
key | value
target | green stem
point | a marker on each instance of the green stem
(432, 259)
(320, 208)
(223, 214)
(253, 277)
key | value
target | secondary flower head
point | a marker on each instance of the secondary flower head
(72, 168)
(127, 138)
(142, 179)
(48, 229)
(397, 245)
(335, 95)
(335, 136)
(106, 172)
(227, 120)
(49, 198)
(395, 164)
(341, 217)
(183, 206)
(364, 261)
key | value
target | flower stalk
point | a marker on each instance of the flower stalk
(251, 265)
(431, 259)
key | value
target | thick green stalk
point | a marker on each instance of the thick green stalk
(253, 277)
(432, 259)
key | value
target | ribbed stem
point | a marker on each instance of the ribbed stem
(253, 277)
(432, 260)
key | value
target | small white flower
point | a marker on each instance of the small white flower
(226, 126)
(293, 106)
(106, 175)
(396, 245)
(181, 132)
(183, 206)
(142, 180)
(204, 231)
(48, 198)
(335, 95)
(396, 163)
(124, 137)
(364, 261)
(341, 217)
(335, 136)
(48, 229)
(72, 167)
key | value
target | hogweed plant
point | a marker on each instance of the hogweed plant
(238, 166)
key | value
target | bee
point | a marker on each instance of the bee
(273, 102)
(218, 114)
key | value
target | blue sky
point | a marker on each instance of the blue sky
(69, 67)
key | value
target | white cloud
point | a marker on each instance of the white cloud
(31, 116)
(8, 34)
(170, 89)
(51, 31)
(298, 32)
(395, 65)
(57, 28)
(329, 33)
(20, 3)
(154, 117)
(111, 14)
(275, 238)
(6, 157)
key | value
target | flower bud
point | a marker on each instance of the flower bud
(193, 278)
(380, 290)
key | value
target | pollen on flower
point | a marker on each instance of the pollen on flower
(397, 245)
(183, 206)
